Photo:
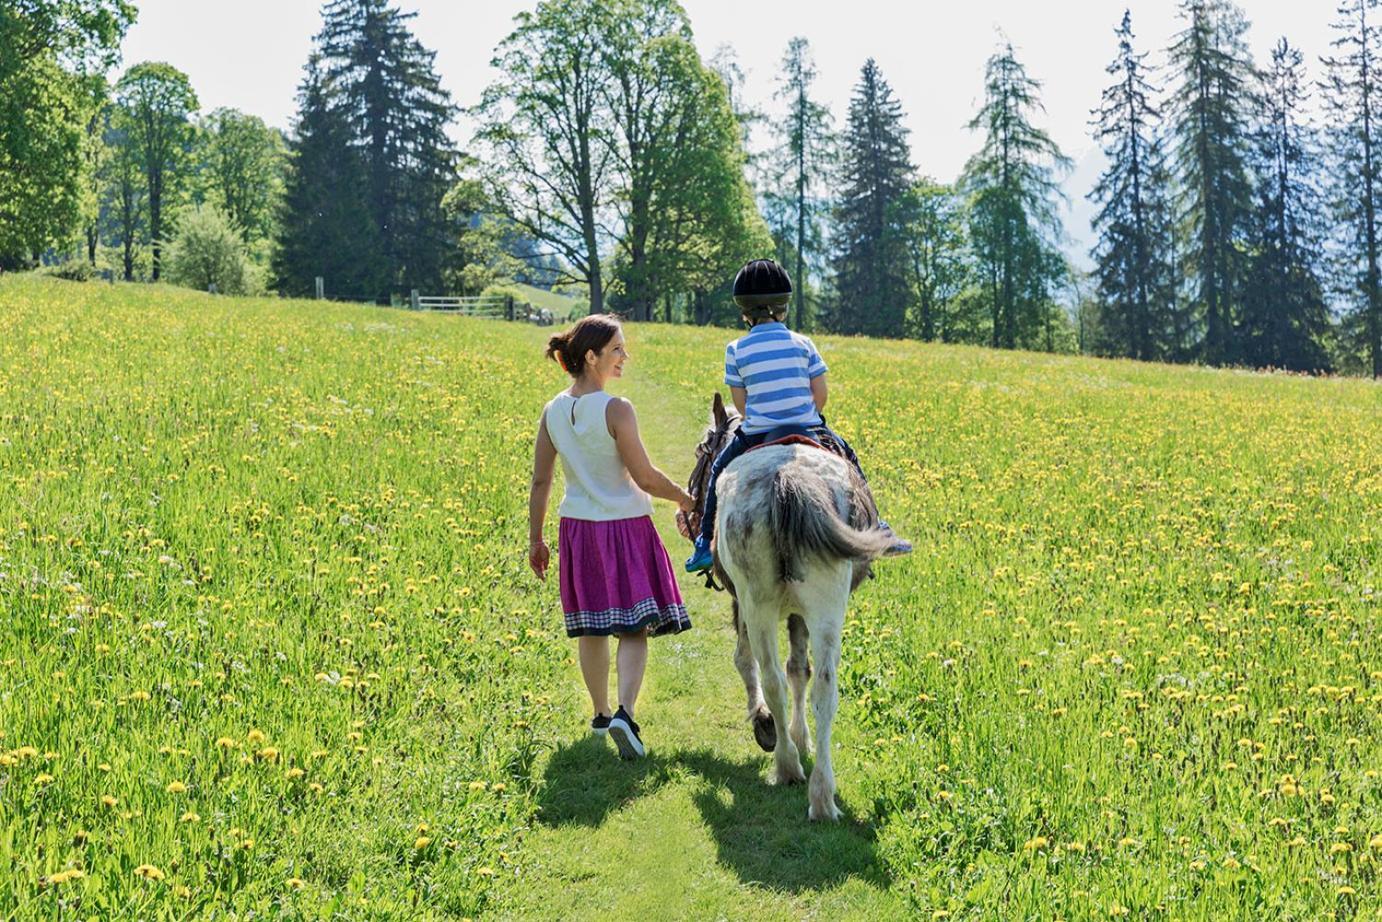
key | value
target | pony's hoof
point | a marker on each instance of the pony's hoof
(830, 814)
(791, 776)
(765, 732)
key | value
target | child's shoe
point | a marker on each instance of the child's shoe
(701, 558)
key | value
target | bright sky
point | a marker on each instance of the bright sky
(249, 54)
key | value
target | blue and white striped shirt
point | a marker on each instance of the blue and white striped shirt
(775, 366)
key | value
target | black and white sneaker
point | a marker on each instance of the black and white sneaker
(624, 732)
(599, 725)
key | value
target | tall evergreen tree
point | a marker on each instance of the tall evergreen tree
(385, 84)
(1285, 318)
(1211, 124)
(800, 166)
(1013, 192)
(875, 173)
(1353, 94)
(1136, 288)
(327, 229)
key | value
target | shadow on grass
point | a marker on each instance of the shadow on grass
(761, 832)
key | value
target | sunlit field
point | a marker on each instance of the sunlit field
(269, 643)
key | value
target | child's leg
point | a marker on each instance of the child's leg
(736, 447)
(594, 657)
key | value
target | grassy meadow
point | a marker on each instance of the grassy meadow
(269, 645)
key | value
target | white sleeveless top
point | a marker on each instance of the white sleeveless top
(598, 485)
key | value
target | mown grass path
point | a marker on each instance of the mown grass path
(692, 831)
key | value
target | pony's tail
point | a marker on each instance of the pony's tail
(805, 523)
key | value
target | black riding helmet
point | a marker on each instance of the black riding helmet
(762, 287)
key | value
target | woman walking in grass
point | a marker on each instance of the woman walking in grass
(614, 573)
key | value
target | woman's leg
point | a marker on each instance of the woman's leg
(632, 659)
(594, 656)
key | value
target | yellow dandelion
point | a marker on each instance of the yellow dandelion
(1036, 843)
(294, 773)
(176, 787)
(108, 801)
(149, 872)
(225, 742)
(255, 737)
(421, 842)
(190, 817)
(295, 883)
(1340, 848)
(268, 754)
(1376, 842)
(478, 785)
(44, 778)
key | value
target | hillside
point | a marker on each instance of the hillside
(270, 642)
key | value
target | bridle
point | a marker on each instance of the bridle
(699, 481)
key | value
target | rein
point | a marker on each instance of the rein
(697, 486)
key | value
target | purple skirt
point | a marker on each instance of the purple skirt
(616, 578)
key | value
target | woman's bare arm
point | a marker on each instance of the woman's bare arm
(544, 461)
(623, 424)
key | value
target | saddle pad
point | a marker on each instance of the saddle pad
(791, 440)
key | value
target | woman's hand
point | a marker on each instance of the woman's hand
(686, 502)
(538, 558)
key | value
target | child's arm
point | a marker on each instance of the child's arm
(740, 395)
(819, 391)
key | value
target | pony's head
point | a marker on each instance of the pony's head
(724, 422)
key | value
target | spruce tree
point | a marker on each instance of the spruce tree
(1211, 124)
(875, 173)
(1285, 318)
(1353, 94)
(1013, 191)
(1136, 289)
(800, 167)
(327, 229)
(389, 92)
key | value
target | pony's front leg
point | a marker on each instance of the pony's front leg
(825, 699)
(762, 631)
(764, 731)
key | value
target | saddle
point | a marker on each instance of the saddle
(820, 437)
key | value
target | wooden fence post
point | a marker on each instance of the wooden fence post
(321, 288)
(510, 306)
(417, 304)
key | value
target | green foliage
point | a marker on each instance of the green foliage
(1210, 126)
(1012, 187)
(385, 83)
(799, 167)
(210, 251)
(158, 103)
(931, 221)
(243, 162)
(82, 34)
(1134, 221)
(482, 257)
(1354, 179)
(875, 172)
(327, 229)
(41, 117)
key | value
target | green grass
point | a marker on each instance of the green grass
(559, 305)
(269, 635)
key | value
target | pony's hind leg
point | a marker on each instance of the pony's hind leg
(764, 730)
(825, 699)
(798, 674)
(761, 626)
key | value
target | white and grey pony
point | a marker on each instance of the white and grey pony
(795, 532)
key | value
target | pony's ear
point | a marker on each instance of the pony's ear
(717, 410)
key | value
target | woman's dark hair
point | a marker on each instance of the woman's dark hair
(589, 333)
